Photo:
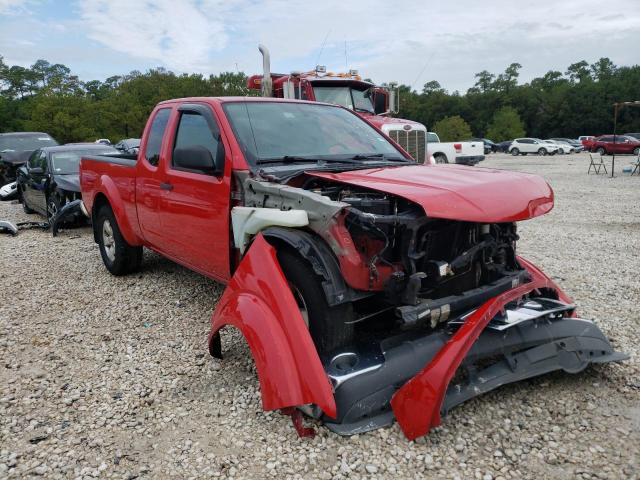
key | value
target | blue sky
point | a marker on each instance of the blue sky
(410, 41)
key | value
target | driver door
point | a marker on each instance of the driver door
(37, 181)
(195, 205)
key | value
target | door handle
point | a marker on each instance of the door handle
(166, 186)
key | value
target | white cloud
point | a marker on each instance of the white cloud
(178, 34)
(13, 7)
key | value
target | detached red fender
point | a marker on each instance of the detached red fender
(417, 404)
(259, 303)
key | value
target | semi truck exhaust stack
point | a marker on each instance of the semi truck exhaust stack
(267, 84)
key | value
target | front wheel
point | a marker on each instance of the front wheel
(601, 151)
(542, 151)
(53, 207)
(330, 327)
(636, 151)
(515, 152)
(118, 256)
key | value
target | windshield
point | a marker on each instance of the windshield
(10, 143)
(67, 163)
(344, 96)
(274, 130)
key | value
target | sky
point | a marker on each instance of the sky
(410, 42)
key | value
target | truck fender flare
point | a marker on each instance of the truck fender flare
(109, 190)
(321, 258)
(259, 303)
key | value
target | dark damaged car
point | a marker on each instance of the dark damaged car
(15, 149)
(50, 178)
(368, 287)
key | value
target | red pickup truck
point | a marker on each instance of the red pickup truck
(368, 287)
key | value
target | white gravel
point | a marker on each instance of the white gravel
(110, 377)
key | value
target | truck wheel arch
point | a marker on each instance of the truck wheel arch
(109, 195)
(315, 251)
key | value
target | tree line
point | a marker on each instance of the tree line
(50, 98)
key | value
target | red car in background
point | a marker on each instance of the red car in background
(608, 144)
(587, 141)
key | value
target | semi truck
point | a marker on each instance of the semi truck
(375, 103)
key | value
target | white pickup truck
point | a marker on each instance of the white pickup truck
(465, 153)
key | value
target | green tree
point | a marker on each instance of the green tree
(506, 125)
(450, 129)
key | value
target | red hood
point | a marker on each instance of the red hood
(456, 192)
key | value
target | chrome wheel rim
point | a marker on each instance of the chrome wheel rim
(108, 241)
(52, 209)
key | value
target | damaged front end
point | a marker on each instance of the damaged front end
(441, 309)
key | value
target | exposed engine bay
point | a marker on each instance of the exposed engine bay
(427, 267)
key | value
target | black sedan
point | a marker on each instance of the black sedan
(129, 145)
(15, 149)
(50, 177)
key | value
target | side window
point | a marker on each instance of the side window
(194, 131)
(156, 132)
(33, 159)
(42, 161)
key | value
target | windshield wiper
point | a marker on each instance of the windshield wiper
(381, 156)
(287, 159)
(360, 109)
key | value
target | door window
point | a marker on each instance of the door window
(193, 130)
(42, 161)
(156, 132)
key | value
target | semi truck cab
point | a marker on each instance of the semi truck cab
(375, 103)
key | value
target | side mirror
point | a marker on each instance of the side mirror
(36, 170)
(198, 158)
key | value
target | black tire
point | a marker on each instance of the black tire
(54, 204)
(515, 152)
(22, 200)
(118, 256)
(636, 150)
(440, 158)
(601, 151)
(542, 151)
(328, 325)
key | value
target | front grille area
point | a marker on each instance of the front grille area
(413, 141)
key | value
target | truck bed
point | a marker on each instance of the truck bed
(115, 174)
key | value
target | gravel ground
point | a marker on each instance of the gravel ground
(110, 377)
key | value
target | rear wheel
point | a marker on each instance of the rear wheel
(440, 158)
(515, 152)
(542, 151)
(118, 256)
(636, 151)
(329, 326)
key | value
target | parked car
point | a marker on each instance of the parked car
(49, 179)
(618, 144)
(524, 146)
(463, 153)
(103, 141)
(128, 145)
(15, 148)
(586, 141)
(351, 269)
(577, 146)
(634, 135)
(562, 147)
(489, 146)
(504, 146)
